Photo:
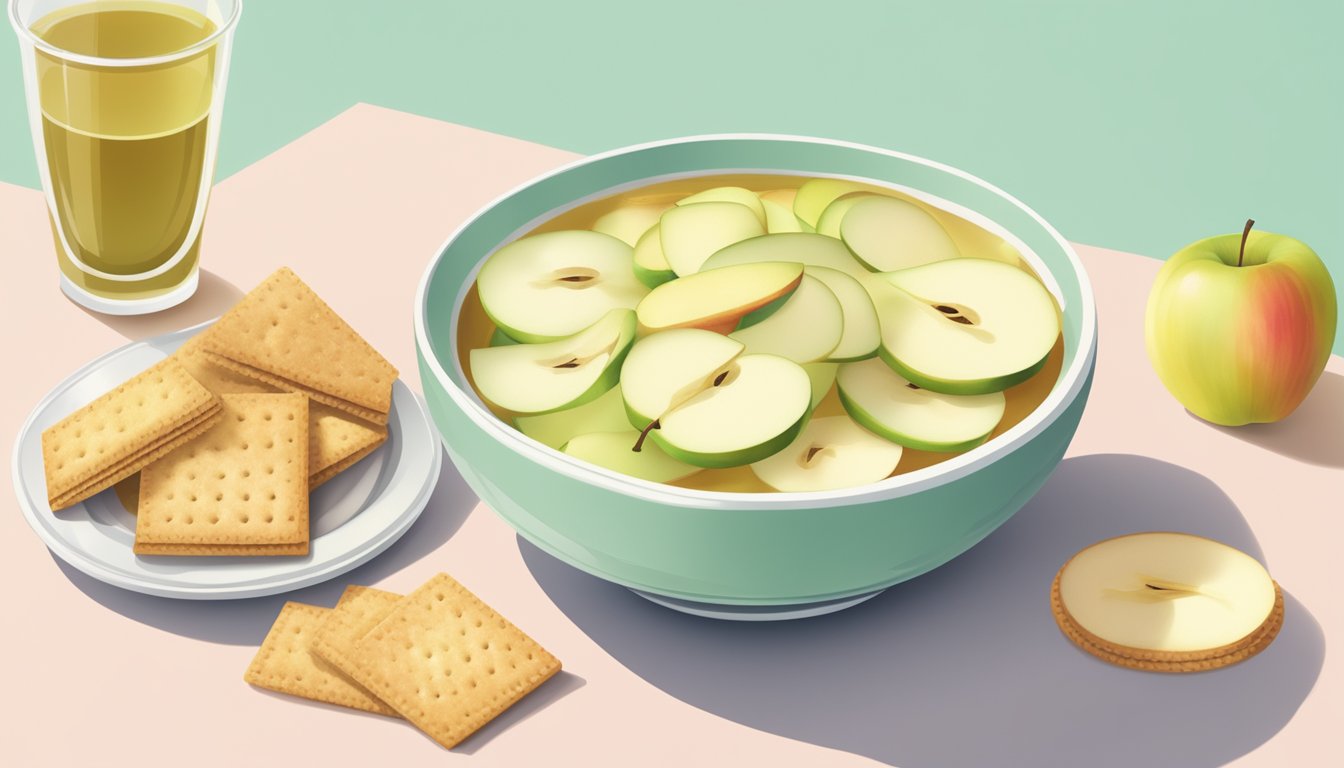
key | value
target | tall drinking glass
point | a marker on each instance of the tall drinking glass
(125, 99)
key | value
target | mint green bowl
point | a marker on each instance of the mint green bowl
(754, 551)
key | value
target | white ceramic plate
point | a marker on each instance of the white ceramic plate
(354, 516)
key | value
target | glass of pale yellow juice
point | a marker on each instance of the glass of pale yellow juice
(125, 99)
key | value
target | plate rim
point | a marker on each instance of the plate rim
(279, 584)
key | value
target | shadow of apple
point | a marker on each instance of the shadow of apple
(1313, 433)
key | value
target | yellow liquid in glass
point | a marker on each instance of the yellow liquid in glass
(475, 328)
(126, 147)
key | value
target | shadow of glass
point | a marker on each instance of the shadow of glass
(213, 296)
(245, 622)
(964, 665)
(1313, 433)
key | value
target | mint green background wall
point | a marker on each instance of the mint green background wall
(1137, 125)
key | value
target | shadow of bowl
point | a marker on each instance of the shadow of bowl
(964, 665)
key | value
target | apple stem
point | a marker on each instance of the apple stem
(639, 444)
(1245, 233)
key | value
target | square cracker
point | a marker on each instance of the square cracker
(244, 482)
(122, 431)
(336, 440)
(285, 663)
(358, 611)
(284, 335)
(448, 662)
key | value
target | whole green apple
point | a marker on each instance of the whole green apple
(1240, 327)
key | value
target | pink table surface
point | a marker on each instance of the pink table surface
(961, 667)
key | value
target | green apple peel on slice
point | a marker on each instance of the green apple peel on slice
(717, 299)
(499, 338)
(650, 263)
(815, 194)
(831, 452)
(741, 196)
(862, 333)
(604, 414)
(888, 234)
(829, 223)
(822, 376)
(964, 326)
(755, 405)
(806, 329)
(613, 451)
(692, 233)
(666, 369)
(885, 403)
(539, 378)
(779, 219)
(629, 222)
(803, 247)
(550, 286)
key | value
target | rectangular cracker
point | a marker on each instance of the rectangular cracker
(244, 482)
(336, 440)
(222, 550)
(448, 662)
(282, 333)
(285, 663)
(122, 431)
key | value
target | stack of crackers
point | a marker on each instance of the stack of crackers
(228, 436)
(438, 657)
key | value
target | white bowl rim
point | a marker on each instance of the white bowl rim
(1071, 380)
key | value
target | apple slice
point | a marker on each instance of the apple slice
(805, 329)
(753, 407)
(666, 369)
(651, 266)
(815, 194)
(613, 450)
(888, 234)
(862, 334)
(829, 223)
(691, 233)
(882, 401)
(538, 378)
(739, 195)
(802, 247)
(629, 222)
(553, 285)
(831, 452)
(779, 219)
(1155, 595)
(822, 376)
(964, 326)
(604, 414)
(717, 299)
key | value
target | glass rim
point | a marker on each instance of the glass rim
(140, 61)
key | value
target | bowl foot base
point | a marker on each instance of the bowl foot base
(757, 612)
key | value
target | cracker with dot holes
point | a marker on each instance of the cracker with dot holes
(121, 432)
(447, 662)
(336, 440)
(359, 610)
(286, 663)
(283, 334)
(240, 488)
